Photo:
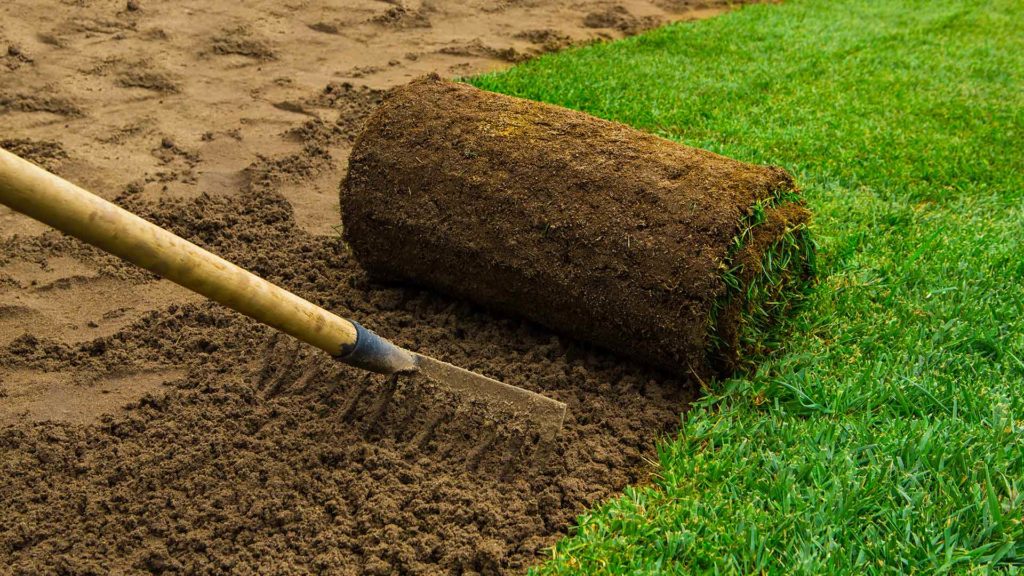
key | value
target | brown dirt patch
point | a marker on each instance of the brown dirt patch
(22, 102)
(241, 42)
(46, 153)
(619, 18)
(73, 396)
(268, 455)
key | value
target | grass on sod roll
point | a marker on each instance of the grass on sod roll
(787, 272)
(884, 434)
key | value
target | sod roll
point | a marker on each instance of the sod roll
(672, 255)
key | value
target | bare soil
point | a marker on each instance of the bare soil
(145, 430)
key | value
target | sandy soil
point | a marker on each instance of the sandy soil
(232, 125)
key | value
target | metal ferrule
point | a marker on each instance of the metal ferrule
(376, 354)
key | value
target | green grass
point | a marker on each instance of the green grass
(885, 436)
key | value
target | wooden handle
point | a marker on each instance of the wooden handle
(35, 192)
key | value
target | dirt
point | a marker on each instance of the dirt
(619, 18)
(145, 430)
(590, 227)
(266, 455)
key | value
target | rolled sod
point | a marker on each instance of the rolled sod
(675, 256)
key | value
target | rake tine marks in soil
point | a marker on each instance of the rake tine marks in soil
(378, 409)
(279, 363)
(349, 410)
(268, 367)
(412, 413)
(372, 406)
(485, 442)
(513, 463)
(419, 442)
(309, 375)
(421, 419)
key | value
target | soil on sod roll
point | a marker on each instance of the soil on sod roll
(590, 227)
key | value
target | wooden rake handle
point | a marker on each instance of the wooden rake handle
(27, 188)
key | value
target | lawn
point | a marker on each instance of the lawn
(885, 436)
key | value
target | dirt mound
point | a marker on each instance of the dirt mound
(619, 18)
(353, 103)
(402, 16)
(147, 80)
(241, 42)
(590, 227)
(477, 48)
(548, 39)
(47, 153)
(20, 102)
